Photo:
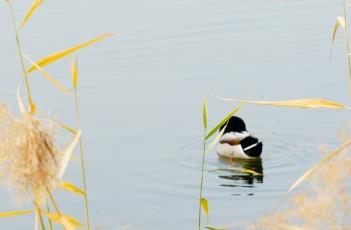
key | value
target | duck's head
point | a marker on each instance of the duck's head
(234, 124)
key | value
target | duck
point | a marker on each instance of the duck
(237, 142)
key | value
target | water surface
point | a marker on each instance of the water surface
(141, 95)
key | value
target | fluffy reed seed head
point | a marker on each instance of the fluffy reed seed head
(29, 160)
(324, 204)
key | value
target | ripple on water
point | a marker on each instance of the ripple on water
(280, 158)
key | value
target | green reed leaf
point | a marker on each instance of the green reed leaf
(213, 228)
(223, 121)
(204, 112)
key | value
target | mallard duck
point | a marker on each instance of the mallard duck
(237, 142)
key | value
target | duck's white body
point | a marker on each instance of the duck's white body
(229, 145)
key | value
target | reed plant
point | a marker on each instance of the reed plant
(326, 202)
(32, 163)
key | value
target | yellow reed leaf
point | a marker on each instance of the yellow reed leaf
(20, 102)
(308, 103)
(67, 154)
(71, 188)
(70, 223)
(35, 5)
(68, 128)
(48, 77)
(74, 72)
(340, 21)
(63, 53)
(243, 170)
(15, 213)
(324, 160)
(204, 205)
(204, 112)
(32, 107)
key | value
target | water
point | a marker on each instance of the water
(141, 93)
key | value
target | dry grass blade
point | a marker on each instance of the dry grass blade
(20, 102)
(243, 170)
(68, 128)
(61, 54)
(213, 228)
(67, 221)
(308, 103)
(48, 77)
(32, 108)
(204, 112)
(325, 159)
(213, 143)
(15, 213)
(31, 11)
(67, 154)
(71, 188)
(74, 72)
(340, 21)
(204, 205)
(222, 122)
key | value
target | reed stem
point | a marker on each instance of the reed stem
(86, 203)
(202, 177)
(19, 50)
(50, 222)
(347, 44)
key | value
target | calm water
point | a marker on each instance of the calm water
(141, 97)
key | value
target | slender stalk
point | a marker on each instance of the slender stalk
(36, 221)
(41, 219)
(50, 222)
(53, 202)
(347, 44)
(84, 178)
(202, 178)
(19, 50)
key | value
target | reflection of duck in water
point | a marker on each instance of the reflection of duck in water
(237, 142)
(242, 171)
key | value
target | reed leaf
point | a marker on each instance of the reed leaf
(204, 205)
(213, 228)
(324, 160)
(242, 170)
(20, 102)
(69, 222)
(71, 188)
(68, 128)
(340, 21)
(51, 79)
(223, 121)
(308, 103)
(32, 107)
(213, 143)
(67, 154)
(15, 213)
(204, 112)
(74, 72)
(63, 53)
(35, 5)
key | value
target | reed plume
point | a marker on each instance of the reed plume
(30, 161)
